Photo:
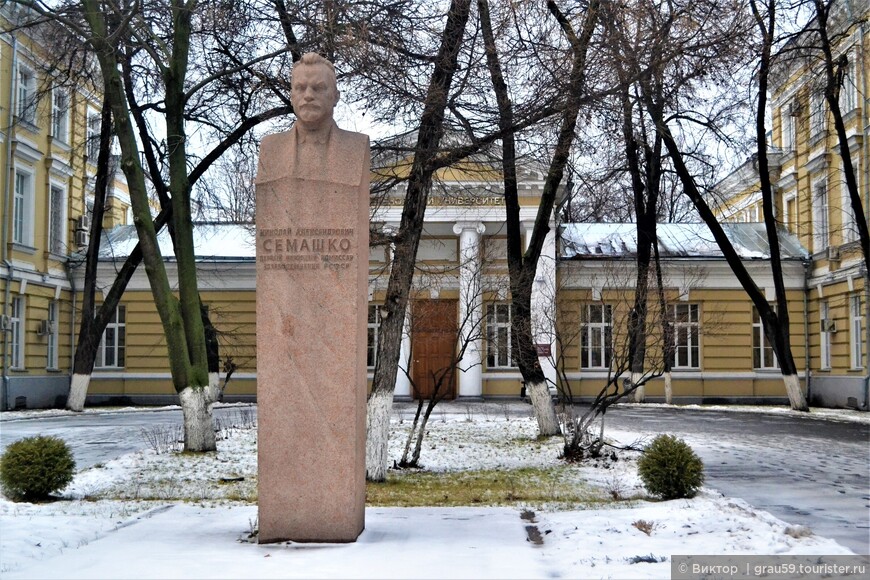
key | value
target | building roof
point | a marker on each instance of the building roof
(211, 242)
(219, 242)
(589, 241)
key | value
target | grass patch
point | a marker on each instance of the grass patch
(526, 486)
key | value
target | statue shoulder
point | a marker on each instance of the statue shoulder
(276, 140)
(350, 137)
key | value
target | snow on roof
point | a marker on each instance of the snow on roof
(211, 242)
(584, 241)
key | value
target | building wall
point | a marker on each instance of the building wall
(47, 173)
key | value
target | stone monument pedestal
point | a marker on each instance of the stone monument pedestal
(312, 299)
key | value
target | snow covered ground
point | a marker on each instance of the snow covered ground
(162, 515)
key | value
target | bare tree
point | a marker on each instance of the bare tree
(146, 52)
(440, 380)
(835, 75)
(523, 265)
(407, 239)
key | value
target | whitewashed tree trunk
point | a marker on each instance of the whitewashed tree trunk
(78, 391)
(639, 392)
(196, 406)
(380, 405)
(669, 391)
(795, 395)
(545, 411)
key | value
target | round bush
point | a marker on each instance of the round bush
(670, 469)
(34, 467)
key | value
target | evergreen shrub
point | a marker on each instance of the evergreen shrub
(33, 468)
(669, 468)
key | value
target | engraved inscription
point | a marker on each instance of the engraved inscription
(305, 249)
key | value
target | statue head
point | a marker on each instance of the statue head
(313, 91)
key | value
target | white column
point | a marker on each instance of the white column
(470, 368)
(403, 383)
(544, 301)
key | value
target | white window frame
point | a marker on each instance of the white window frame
(51, 354)
(856, 331)
(849, 228)
(687, 335)
(60, 105)
(92, 142)
(789, 135)
(17, 345)
(57, 230)
(849, 91)
(821, 215)
(26, 104)
(790, 219)
(596, 336)
(22, 208)
(763, 356)
(824, 337)
(499, 336)
(373, 335)
(818, 113)
(116, 333)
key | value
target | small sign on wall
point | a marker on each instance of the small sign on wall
(543, 349)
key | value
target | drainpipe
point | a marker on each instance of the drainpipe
(4, 237)
(807, 378)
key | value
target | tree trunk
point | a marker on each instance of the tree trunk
(380, 401)
(91, 328)
(522, 266)
(196, 407)
(78, 391)
(379, 406)
(669, 390)
(545, 410)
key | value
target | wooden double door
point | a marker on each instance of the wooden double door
(433, 348)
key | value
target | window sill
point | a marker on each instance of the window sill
(23, 248)
(27, 124)
(53, 370)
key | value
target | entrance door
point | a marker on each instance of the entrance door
(433, 348)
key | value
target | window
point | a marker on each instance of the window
(817, 113)
(22, 208)
(850, 230)
(16, 333)
(114, 342)
(856, 331)
(60, 115)
(791, 214)
(499, 340)
(93, 138)
(26, 96)
(595, 336)
(849, 89)
(820, 216)
(825, 328)
(374, 331)
(56, 220)
(687, 346)
(53, 335)
(762, 350)
(788, 129)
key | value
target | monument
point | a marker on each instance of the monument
(312, 297)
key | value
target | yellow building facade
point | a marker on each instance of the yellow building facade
(582, 290)
(47, 146)
(812, 202)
